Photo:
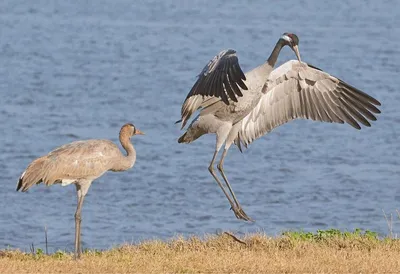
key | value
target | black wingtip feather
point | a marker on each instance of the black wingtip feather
(228, 89)
(19, 184)
(212, 81)
(371, 99)
(242, 84)
(361, 93)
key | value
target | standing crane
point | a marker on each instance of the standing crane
(80, 163)
(240, 108)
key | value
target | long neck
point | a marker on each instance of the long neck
(262, 72)
(275, 53)
(127, 161)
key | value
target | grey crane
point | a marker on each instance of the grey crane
(80, 163)
(240, 108)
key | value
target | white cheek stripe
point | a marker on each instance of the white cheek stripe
(287, 38)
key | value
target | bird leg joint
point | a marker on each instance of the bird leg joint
(220, 167)
(78, 217)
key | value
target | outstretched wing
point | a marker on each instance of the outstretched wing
(221, 79)
(297, 90)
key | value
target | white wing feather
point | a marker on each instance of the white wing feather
(297, 90)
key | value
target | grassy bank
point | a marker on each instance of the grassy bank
(324, 251)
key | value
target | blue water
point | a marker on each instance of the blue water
(78, 71)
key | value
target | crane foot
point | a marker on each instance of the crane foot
(240, 214)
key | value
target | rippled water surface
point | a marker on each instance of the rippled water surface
(79, 71)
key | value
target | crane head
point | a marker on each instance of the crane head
(292, 41)
(131, 130)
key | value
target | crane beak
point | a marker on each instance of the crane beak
(138, 132)
(296, 51)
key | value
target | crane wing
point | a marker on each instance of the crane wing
(298, 90)
(82, 158)
(221, 79)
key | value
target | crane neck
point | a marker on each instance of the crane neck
(129, 160)
(275, 53)
(125, 140)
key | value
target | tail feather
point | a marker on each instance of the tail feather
(191, 135)
(19, 185)
(32, 175)
(182, 138)
(238, 142)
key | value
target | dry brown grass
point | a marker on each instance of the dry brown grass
(222, 254)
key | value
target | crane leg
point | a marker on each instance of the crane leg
(212, 171)
(240, 214)
(78, 220)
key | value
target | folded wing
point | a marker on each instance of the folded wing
(297, 90)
